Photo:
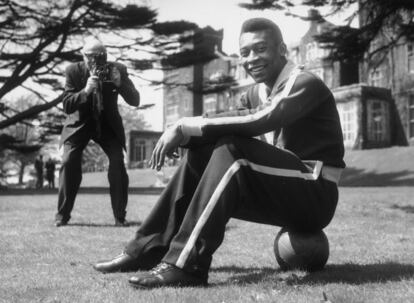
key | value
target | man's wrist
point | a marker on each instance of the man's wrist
(179, 130)
(84, 96)
(191, 126)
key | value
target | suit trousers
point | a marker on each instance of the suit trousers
(70, 174)
(236, 177)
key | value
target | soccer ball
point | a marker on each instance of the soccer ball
(305, 251)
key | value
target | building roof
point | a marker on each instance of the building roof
(318, 25)
(346, 92)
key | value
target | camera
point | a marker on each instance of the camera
(100, 67)
(103, 72)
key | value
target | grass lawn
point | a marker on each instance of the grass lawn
(371, 260)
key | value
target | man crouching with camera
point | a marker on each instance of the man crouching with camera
(90, 101)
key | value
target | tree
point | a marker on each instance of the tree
(390, 18)
(132, 119)
(37, 37)
(21, 142)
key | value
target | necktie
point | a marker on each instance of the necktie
(98, 107)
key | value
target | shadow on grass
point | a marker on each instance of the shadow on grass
(359, 177)
(354, 274)
(245, 275)
(406, 208)
(361, 273)
(87, 224)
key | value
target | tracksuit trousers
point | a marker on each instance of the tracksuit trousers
(236, 177)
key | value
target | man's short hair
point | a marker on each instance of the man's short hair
(260, 24)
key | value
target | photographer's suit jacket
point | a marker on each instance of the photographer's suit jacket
(78, 106)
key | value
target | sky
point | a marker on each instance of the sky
(226, 15)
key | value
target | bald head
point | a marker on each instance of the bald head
(94, 54)
(93, 47)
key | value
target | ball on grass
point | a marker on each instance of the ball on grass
(305, 251)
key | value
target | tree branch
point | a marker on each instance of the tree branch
(31, 112)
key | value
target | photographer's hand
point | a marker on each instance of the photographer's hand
(115, 76)
(91, 85)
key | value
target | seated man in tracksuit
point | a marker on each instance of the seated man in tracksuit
(278, 161)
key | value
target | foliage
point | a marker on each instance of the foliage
(132, 118)
(21, 142)
(217, 83)
(94, 158)
(392, 19)
(38, 37)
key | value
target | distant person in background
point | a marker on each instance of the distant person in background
(90, 101)
(50, 173)
(39, 171)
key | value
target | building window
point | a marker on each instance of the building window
(172, 110)
(209, 105)
(375, 77)
(411, 117)
(240, 72)
(171, 76)
(313, 51)
(348, 116)
(410, 57)
(187, 103)
(172, 114)
(233, 70)
(139, 150)
(378, 121)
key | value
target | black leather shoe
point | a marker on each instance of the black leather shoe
(121, 223)
(165, 274)
(122, 263)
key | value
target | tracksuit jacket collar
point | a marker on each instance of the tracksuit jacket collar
(283, 76)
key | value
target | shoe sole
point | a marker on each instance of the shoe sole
(140, 286)
(60, 224)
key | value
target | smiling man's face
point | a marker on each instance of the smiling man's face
(262, 56)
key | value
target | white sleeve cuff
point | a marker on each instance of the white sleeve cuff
(191, 126)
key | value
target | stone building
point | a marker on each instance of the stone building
(368, 116)
(393, 70)
(308, 52)
(367, 108)
(186, 93)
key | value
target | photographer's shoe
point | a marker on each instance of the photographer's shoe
(120, 263)
(121, 223)
(60, 222)
(165, 274)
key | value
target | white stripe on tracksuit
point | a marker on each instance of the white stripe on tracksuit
(221, 187)
(192, 126)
